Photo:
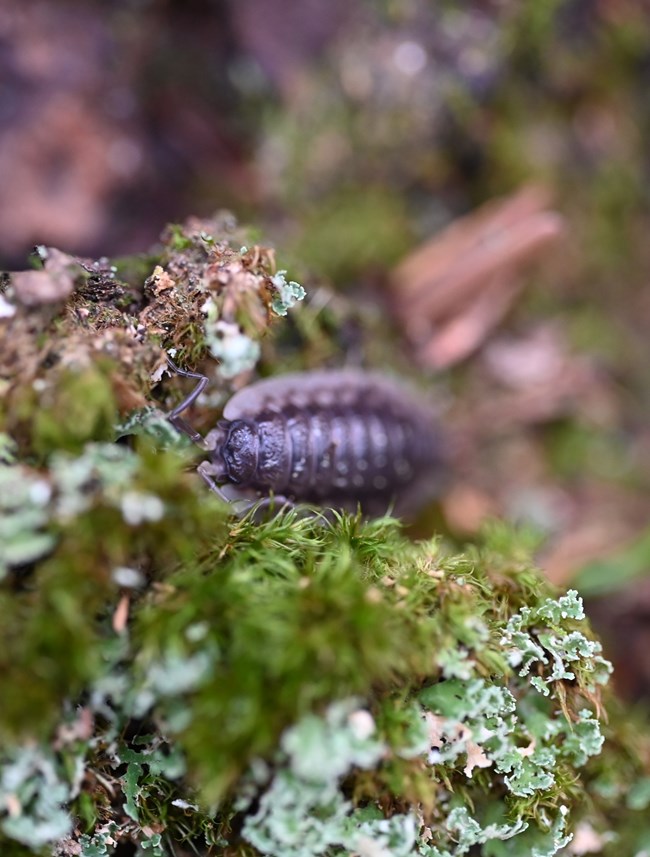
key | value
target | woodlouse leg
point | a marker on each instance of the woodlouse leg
(208, 471)
(175, 417)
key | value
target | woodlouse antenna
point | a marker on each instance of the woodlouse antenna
(175, 417)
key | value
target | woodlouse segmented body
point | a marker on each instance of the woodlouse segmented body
(337, 438)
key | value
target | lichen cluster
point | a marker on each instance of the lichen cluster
(286, 685)
(176, 680)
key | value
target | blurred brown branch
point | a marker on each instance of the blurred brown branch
(451, 292)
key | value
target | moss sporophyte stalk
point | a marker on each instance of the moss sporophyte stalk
(177, 681)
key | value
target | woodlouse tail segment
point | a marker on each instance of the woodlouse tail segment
(175, 417)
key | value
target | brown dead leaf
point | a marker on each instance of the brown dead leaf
(476, 758)
(161, 281)
(453, 290)
(121, 615)
(13, 805)
(126, 393)
(51, 285)
(466, 508)
(462, 335)
(80, 729)
(586, 840)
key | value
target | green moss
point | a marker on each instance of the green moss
(87, 402)
(608, 575)
(104, 510)
(354, 231)
(257, 628)
(177, 680)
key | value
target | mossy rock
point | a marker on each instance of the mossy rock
(179, 681)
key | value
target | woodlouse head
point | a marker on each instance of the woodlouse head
(240, 452)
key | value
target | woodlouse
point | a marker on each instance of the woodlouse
(333, 438)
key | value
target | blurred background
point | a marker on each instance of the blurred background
(477, 170)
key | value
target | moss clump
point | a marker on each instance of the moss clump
(79, 347)
(177, 681)
(303, 688)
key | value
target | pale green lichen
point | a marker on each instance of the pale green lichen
(151, 423)
(525, 745)
(468, 710)
(298, 819)
(102, 469)
(466, 832)
(235, 351)
(24, 501)
(456, 663)
(33, 795)
(139, 506)
(304, 812)
(287, 293)
(170, 676)
(471, 720)
(152, 846)
(72, 486)
(325, 748)
(100, 843)
(531, 640)
(373, 835)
